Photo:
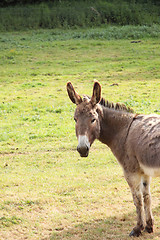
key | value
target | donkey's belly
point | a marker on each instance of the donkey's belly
(150, 171)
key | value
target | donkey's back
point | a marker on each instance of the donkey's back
(143, 143)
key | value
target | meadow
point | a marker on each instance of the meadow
(47, 190)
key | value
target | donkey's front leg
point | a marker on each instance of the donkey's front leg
(134, 181)
(147, 203)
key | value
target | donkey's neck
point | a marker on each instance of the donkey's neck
(114, 127)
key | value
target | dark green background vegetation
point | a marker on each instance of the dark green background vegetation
(27, 14)
(13, 2)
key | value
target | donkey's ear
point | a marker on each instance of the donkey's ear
(75, 98)
(96, 96)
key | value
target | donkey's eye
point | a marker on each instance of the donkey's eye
(93, 120)
(75, 119)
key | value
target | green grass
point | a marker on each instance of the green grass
(47, 190)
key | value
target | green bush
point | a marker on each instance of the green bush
(72, 14)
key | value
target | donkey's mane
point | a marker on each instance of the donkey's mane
(115, 106)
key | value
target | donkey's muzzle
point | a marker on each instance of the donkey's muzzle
(83, 146)
(83, 151)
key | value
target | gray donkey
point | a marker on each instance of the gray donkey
(133, 139)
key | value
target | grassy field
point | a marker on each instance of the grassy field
(47, 190)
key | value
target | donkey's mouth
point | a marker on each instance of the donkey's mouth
(83, 151)
(84, 154)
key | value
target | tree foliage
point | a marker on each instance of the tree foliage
(34, 14)
(5, 3)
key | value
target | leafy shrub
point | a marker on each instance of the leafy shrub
(69, 14)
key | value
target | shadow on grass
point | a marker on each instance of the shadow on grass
(116, 227)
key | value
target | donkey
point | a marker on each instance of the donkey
(134, 140)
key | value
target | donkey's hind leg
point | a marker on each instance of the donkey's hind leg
(134, 181)
(147, 203)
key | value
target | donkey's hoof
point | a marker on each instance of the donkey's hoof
(135, 233)
(149, 229)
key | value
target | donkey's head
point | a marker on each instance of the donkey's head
(86, 117)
